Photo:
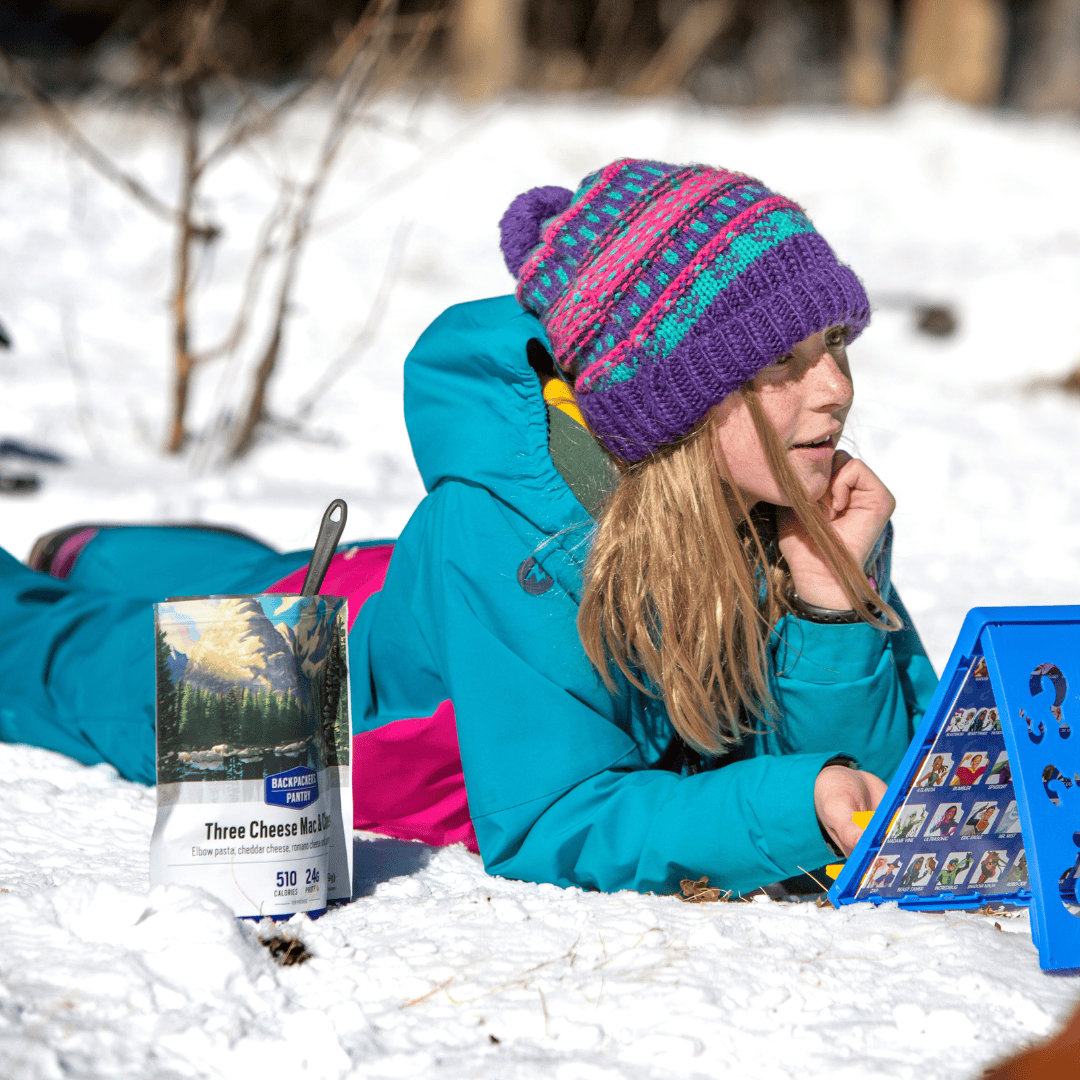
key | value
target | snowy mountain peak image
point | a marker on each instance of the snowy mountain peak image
(240, 647)
(287, 632)
(250, 685)
(177, 663)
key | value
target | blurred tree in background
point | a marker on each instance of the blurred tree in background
(729, 52)
(198, 60)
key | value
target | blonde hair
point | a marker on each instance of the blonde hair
(681, 595)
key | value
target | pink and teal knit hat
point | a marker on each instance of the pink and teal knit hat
(663, 288)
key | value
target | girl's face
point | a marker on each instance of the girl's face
(806, 396)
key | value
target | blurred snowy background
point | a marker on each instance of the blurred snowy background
(437, 969)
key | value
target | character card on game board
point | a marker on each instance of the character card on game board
(882, 872)
(970, 770)
(908, 822)
(1010, 820)
(1018, 872)
(934, 770)
(1000, 773)
(919, 871)
(995, 721)
(979, 669)
(1067, 889)
(960, 721)
(957, 865)
(990, 867)
(945, 821)
(980, 819)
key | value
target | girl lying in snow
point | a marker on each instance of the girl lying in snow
(643, 618)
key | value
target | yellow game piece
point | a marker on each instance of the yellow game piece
(862, 817)
(832, 871)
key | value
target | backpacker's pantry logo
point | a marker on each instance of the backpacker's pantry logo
(296, 787)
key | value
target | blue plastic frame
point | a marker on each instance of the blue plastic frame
(1014, 641)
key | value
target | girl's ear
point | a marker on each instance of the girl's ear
(539, 359)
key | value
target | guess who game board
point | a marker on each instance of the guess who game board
(985, 806)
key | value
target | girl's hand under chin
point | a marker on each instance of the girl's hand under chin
(858, 505)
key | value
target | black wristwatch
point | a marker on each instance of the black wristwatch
(813, 613)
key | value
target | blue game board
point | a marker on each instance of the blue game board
(985, 806)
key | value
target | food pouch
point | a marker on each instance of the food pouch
(254, 785)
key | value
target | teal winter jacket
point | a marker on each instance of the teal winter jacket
(479, 607)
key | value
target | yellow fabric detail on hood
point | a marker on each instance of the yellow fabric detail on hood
(557, 393)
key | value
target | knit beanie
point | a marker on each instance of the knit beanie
(662, 288)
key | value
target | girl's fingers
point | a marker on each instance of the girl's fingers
(840, 490)
(829, 499)
(855, 484)
(844, 479)
(838, 792)
(857, 506)
(847, 835)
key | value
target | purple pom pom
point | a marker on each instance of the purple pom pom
(520, 225)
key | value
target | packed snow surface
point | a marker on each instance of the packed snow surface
(437, 969)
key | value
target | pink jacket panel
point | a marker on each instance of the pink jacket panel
(407, 778)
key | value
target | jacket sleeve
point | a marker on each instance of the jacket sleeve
(855, 688)
(556, 768)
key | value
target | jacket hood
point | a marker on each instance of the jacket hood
(475, 411)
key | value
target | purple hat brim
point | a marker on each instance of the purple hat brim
(733, 339)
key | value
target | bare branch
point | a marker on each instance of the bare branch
(426, 25)
(357, 80)
(264, 249)
(191, 111)
(420, 27)
(180, 67)
(199, 54)
(691, 35)
(395, 180)
(240, 131)
(351, 44)
(367, 333)
(104, 165)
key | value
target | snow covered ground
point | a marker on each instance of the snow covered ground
(438, 969)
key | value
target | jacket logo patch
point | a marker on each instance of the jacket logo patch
(533, 578)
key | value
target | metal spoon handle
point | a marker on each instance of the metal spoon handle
(329, 534)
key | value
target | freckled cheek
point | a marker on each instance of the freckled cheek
(737, 446)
